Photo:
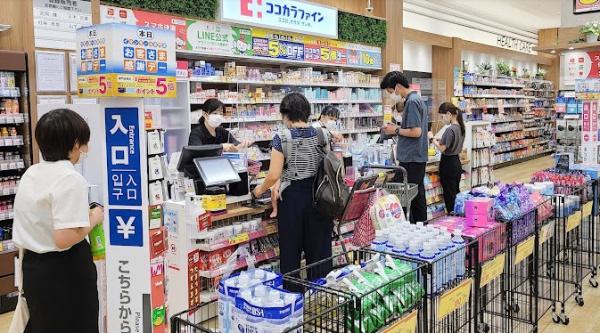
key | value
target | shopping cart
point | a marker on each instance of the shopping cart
(406, 192)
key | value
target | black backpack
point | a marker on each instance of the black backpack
(330, 194)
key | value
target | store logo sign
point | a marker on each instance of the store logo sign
(288, 15)
(125, 227)
(514, 44)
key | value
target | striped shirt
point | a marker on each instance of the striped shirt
(304, 158)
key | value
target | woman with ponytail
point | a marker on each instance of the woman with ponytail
(450, 145)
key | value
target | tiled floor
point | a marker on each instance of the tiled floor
(584, 319)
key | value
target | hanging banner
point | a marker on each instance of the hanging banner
(117, 60)
(287, 15)
(222, 39)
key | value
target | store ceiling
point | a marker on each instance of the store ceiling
(528, 15)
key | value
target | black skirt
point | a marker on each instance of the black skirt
(61, 291)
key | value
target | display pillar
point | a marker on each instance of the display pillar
(120, 65)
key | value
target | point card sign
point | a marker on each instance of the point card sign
(118, 60)
(286, 15)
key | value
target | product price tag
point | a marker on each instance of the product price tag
(524, 249)
(454, 298)
(546, 232)
(408, 324)
(587, 209)
(241, 238)
(573, 221)
(492, 269)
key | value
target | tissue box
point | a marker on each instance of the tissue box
(478, 212)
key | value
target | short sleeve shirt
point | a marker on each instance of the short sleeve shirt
(51, 196)
(453, 140)
(415, 115)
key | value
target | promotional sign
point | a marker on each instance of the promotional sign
(408, 324)
(204, 37)
(454, 298)
(117, 60)
(579, 65)
(585, 6)
(55, 22)
(287, 15)
(126, 215)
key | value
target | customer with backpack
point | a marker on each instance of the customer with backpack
(296, 158)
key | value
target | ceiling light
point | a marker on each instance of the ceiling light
(571, 48)
(4, 27)
(553, 51)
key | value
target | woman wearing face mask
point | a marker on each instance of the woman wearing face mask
(209, 130)
(450, 145)
(295, 158)
(52, 220)
(328, 119)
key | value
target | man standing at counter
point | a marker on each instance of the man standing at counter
(412, 137)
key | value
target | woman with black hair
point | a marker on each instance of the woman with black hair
(295, 159)
(51, 223)
(451, 144)
(328, 120)
(209, 130)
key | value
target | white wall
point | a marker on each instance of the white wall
(416, 57)
(474, 59)
(568, 19)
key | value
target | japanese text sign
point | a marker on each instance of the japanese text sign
(492, 269)
(287, 15)
(408, 324)
(454, 298)
(117, 60)
(123, 157)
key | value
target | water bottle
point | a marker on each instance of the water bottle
(460, 243)
(428, 255)
(97, 242)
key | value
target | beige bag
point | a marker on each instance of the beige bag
(21, 314)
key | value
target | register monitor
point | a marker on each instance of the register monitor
(189, 153)
(216, 171)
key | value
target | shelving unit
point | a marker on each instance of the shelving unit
(479, 144)
(15, 158)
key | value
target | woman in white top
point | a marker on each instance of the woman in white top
(52, 220)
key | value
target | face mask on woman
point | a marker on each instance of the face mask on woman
(215, 120)
(331, 124)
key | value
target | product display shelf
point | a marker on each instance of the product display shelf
(493, 96)
(240, 238)
(206, 79)
(241, 263)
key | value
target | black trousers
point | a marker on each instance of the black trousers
(303, 229)
(416, 173)
(61, 291)
(450, 173)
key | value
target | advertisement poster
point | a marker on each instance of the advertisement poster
(117, 60)
(585, 6)
(224, 39)
(579, 65)
(287, 15)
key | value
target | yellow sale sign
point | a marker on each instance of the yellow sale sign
(492, 269)
(454, 298)
(524, 249)
(408, 324)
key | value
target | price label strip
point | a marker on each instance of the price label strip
(573, 221)
(546, 232)
(454, 298)
(524, 249)
(492, 269)
(587, 209)
(408, 324)
(241, 238)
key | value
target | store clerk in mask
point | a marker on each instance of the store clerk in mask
(209, 130)
(328, 120)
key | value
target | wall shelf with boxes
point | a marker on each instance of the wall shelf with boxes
(15, 157)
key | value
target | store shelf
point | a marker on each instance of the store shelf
(495, 96)
(361, 115)
(271, 83)
(511, 149)
(360, 130)
(521, 138)
(506, 131)
(277, 101)
(15, 118)
(243, 237)
(12, 165)
(250, 120)
(241, 263)
(522, 159)
(10, 92)
(495, 106)
(528, 129)
(494, 84)
(13, 141)
(507, 121)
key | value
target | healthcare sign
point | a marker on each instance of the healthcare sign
(287, 15)
(117, 60)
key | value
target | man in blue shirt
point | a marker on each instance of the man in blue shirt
(412, 137)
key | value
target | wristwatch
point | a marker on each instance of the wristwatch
(398, 131)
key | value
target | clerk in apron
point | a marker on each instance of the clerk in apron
(52, 219)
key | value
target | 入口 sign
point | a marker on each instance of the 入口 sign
(287, 15)
(514, 44)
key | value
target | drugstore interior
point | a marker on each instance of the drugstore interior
(518, 254)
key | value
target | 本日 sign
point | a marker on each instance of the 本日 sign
(287, 15)
(118, 60)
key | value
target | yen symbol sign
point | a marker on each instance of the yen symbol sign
(126, 227)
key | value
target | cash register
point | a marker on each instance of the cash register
(211, 172)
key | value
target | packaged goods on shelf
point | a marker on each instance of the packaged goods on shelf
(506, 127)
(474, 91)
(477, 79)
(482, 175)
(502, 118)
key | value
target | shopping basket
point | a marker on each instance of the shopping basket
(406, 192)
